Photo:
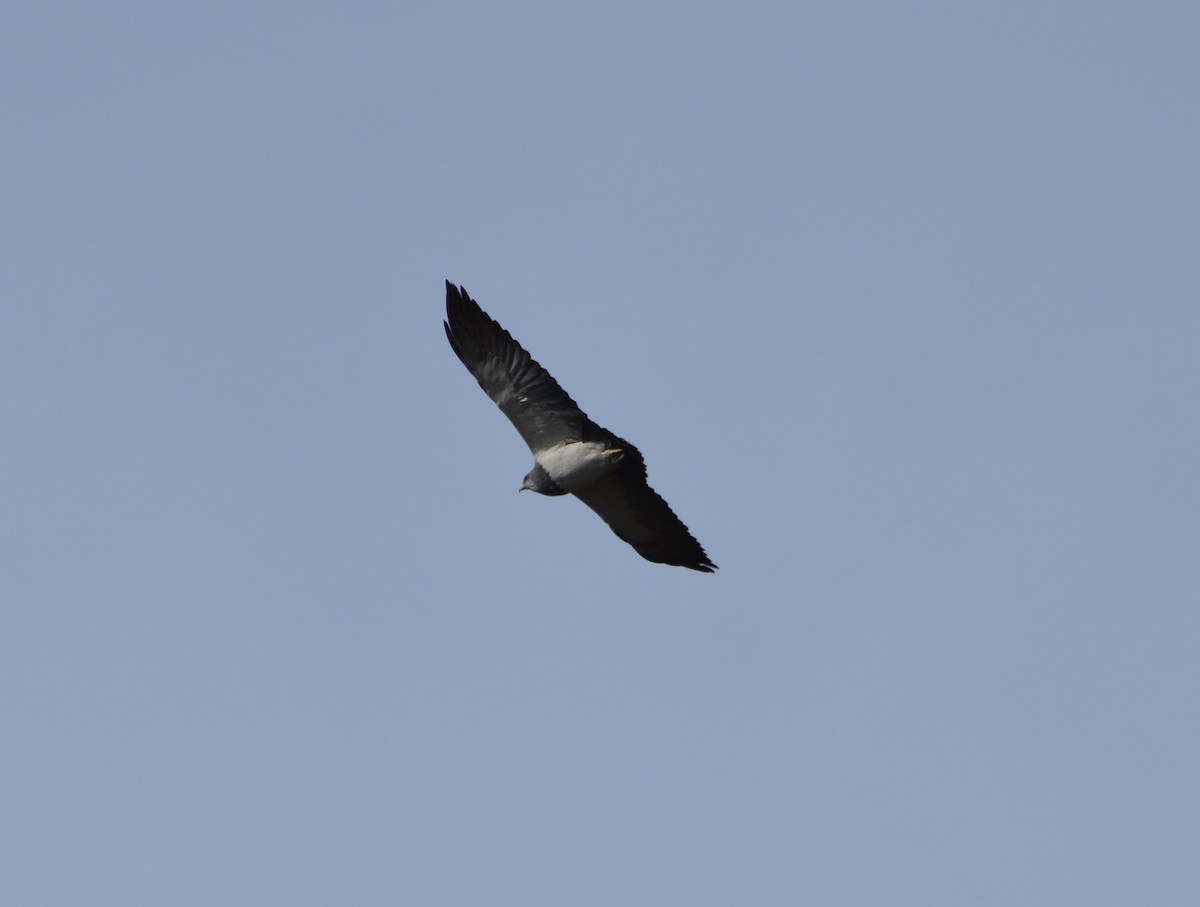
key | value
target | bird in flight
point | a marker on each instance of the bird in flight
(571, 453)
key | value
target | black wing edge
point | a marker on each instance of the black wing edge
(477, 339)
(676, 547)
(460, 307)
(639, 516)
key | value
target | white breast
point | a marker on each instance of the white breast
(577, 463)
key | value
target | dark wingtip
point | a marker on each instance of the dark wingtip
(704, 566)
(457, 301)
(459, 304)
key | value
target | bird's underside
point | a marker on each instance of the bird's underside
(572, 454)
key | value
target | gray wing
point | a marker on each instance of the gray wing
(639, 516)
(534, 403)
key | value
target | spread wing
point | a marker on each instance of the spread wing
(525, 392)
(639, 516)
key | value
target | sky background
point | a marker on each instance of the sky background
(901, 302)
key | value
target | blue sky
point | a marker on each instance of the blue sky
(900, 302)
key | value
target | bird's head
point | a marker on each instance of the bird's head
(539, 480)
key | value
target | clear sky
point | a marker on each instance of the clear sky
(901, 302)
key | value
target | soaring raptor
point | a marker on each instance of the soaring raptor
(571, 453)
